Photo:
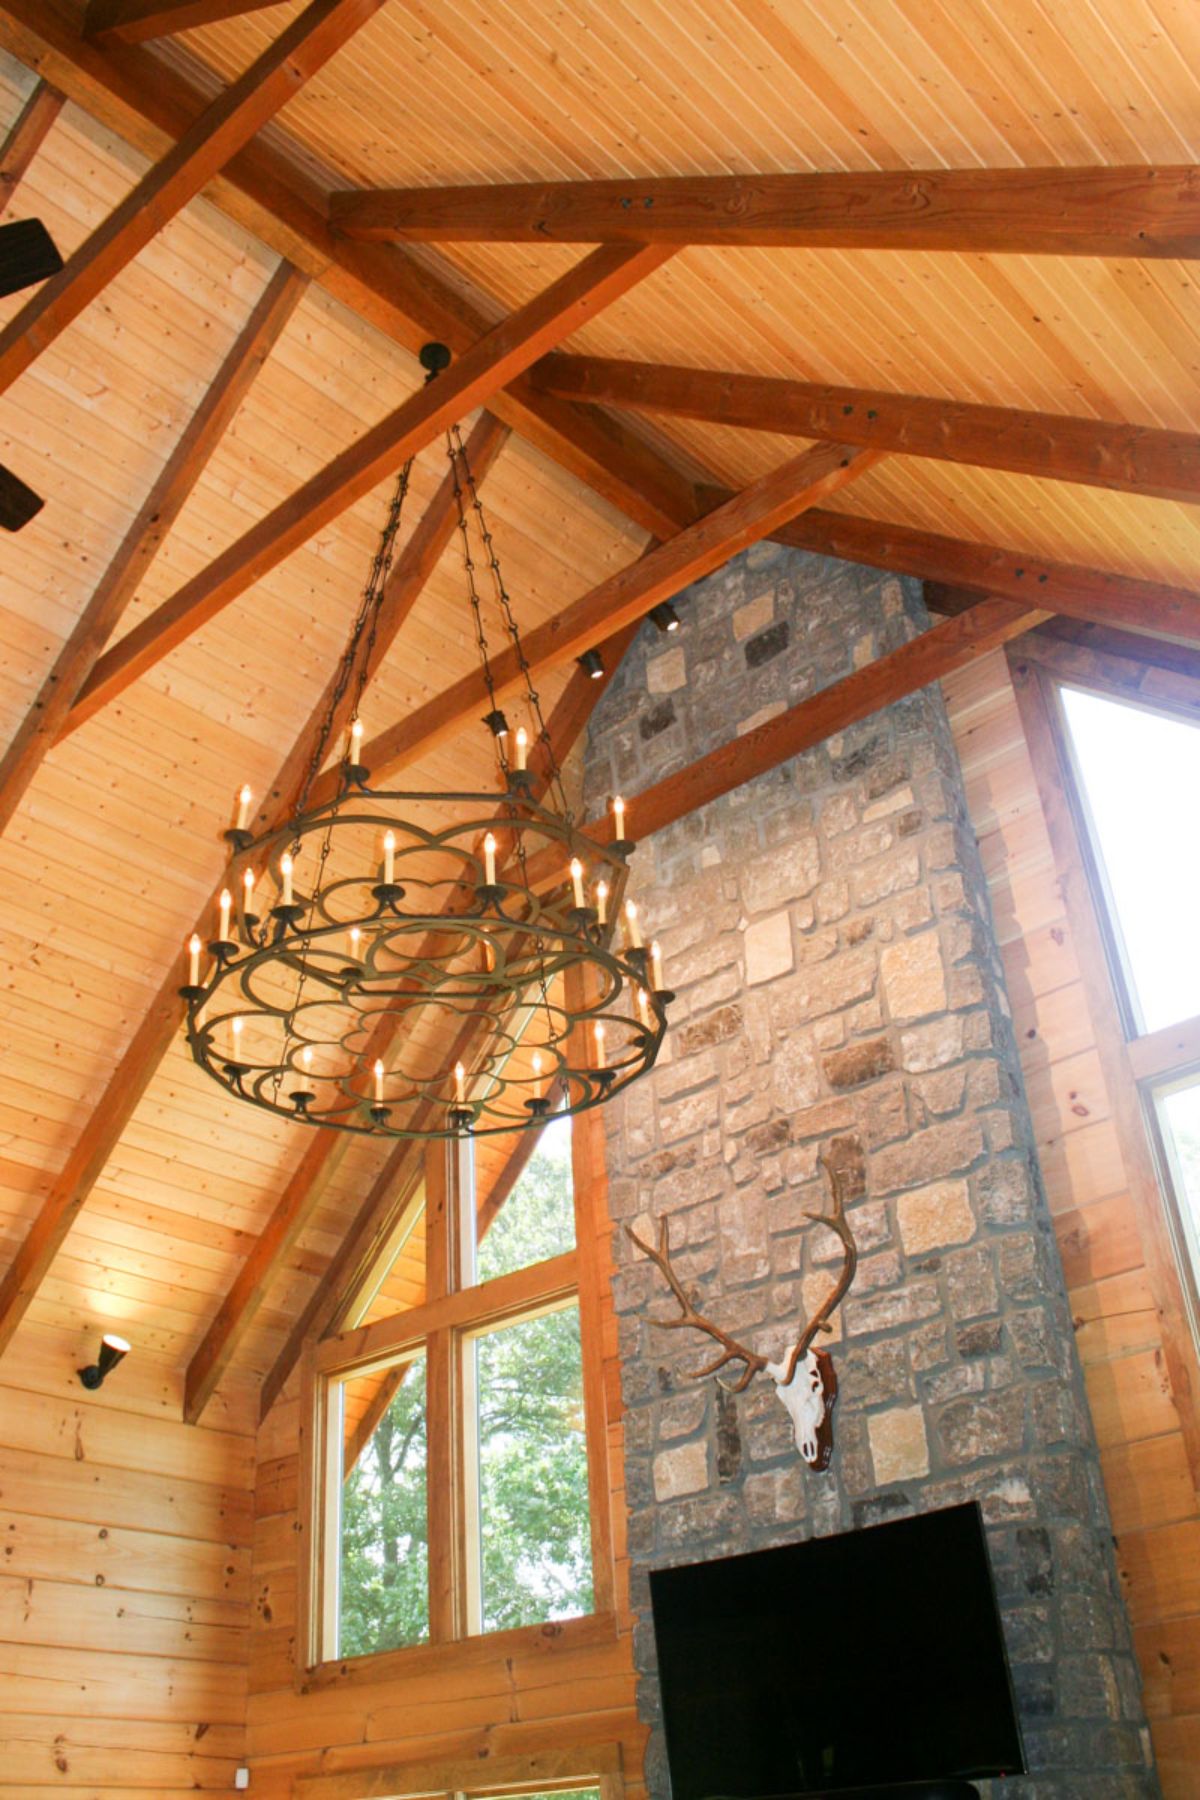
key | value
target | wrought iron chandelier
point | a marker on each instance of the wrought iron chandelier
(421, 965)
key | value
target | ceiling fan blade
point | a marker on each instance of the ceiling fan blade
(18, 503)
(27, 254)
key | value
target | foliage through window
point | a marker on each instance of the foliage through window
(486, 1378)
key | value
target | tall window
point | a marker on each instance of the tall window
(1137, 773)
(455, 1447)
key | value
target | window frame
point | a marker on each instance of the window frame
(457, 1308)
(1160, 677)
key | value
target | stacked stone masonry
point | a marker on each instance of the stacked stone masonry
(827, 932)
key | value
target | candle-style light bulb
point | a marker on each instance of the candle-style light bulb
(226, 905)
(537, 1074)
(248, 891)
(522, 746)
(356, 738)
(632, 929)
(306, 1058)
(643, 1006)
(489, 860)
(355, 937)
(618, 817)
(656, 972)
(244, 799)
(460, 1083)
(602, 902)
(194, 960)
(378, 1080)
(577, 880)
(285, 870)
(235, 1026)
(599, 1044)
(389, 857)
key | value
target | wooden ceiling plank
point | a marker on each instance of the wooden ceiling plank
(1133, 211)
(936, 652)
(1134, 459)
(134, 21)
(269, 83)
(26, 137)
(142, 542)
(144, 100)
(1097, 595)
(759, 511)
(470, 381)
(392, 1189)
(132, 1075)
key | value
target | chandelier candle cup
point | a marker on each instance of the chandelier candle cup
(493, 934)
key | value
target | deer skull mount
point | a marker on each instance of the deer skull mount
(804, 1378)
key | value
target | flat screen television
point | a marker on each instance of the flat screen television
(844, 1662)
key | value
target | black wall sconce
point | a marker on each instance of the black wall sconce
(112, 1349)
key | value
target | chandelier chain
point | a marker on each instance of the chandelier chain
(555, 782)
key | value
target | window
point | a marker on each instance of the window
(1133, 770)
(456, 1461)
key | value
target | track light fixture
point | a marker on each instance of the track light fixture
(665, 616)
(112, 1349)
(592, 663)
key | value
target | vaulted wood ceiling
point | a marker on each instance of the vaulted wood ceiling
(111, 847)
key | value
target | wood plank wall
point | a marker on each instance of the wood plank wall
(466, 1701)
(1151, 1496)
(124, 1636)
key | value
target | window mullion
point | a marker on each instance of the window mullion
(1159, 1055)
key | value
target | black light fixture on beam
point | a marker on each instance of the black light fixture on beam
(665, 616)
(112, 1349)
(592, 663)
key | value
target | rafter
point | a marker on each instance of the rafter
(26, 137)
(1135, 459)
(146, 535)
(133, 21)
(272, 194)
(393, 1187)
(471, 381)
(757, 512)
(928, 657)
(1135, 211)
(231, 120)
(1098, 595)
(150, 1043)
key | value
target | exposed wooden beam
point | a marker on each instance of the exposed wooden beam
(142, 542)
(232, 119)
(133, 21)
(755, 513)
(933, 654)
(469, 382)
(393, 1187)
(1135, 459)
(1135, 211)
(1094, 594)
(151, 1041)
(388, 1386)
(26, 137)
(270, 192)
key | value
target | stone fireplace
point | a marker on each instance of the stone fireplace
(827, 932)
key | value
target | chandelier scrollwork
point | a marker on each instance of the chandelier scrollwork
(425, 964)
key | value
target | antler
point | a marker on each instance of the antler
(731, 1350)
(845, 1166)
